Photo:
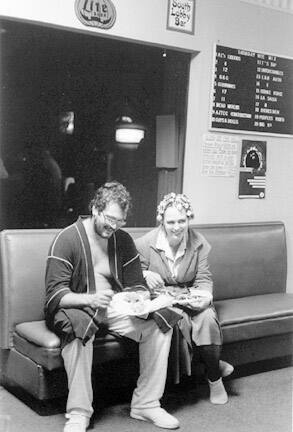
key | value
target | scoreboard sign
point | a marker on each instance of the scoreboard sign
(252, 92)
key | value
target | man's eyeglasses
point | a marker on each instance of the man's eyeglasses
(113, 222)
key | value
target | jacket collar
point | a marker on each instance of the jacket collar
(194, 242)
(163, 244)
(88, 256)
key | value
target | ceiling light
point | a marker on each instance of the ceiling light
(128, 134)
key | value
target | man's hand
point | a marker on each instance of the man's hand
(153, 280)
(100, 299)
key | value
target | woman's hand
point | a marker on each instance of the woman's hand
(198, 304)
(162, 301)
(153, 279)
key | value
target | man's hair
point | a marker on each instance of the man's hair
(111, 192)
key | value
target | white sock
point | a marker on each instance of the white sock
(218, 393)
(226, 369)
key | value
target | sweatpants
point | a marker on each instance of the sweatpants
(154, 347)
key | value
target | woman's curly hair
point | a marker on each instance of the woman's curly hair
(111, 192)
(180, 201)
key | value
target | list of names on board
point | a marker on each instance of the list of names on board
(252, 92)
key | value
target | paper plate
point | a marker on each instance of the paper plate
(130, 303)
(192, 292)
(196, 292)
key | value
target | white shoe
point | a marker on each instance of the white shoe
(76, 423)
(226, 369)
(218, 393)
(158, 416)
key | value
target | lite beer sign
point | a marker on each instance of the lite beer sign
(96, 13)
(181, 15)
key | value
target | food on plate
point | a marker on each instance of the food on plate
(137, 300)
(136, 296)
(141, 302)
(184, 296)
(131, 302)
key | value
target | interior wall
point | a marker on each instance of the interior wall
(215, 199)
(143, 20)
(229, 22)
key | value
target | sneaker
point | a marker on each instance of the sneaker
(218, 394)
(158, 416)
(76, 423)
(226, 369)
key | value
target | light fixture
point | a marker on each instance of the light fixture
(128, 134)
(66, 122)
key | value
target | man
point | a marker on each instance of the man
(88, 262)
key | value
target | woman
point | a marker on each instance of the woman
(174, 255)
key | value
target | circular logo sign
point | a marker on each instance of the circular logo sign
(96, 13)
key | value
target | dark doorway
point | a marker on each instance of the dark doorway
(46, 72)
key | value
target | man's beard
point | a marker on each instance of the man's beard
(102, 229)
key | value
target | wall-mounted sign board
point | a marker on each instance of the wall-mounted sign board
(252, 92)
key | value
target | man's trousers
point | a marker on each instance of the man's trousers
(154, 349)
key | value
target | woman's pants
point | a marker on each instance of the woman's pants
(207, 335)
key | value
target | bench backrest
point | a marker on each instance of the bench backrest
(246, 259)
(23, 261)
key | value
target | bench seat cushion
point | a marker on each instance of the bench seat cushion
(34, 340)
(38, 333)
(49, 358)
(241, 319)
(255, 316)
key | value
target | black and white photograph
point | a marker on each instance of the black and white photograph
(146, 215)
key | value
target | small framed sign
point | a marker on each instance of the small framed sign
(181, 15)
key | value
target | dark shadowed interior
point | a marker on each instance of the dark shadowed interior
(47, 71)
